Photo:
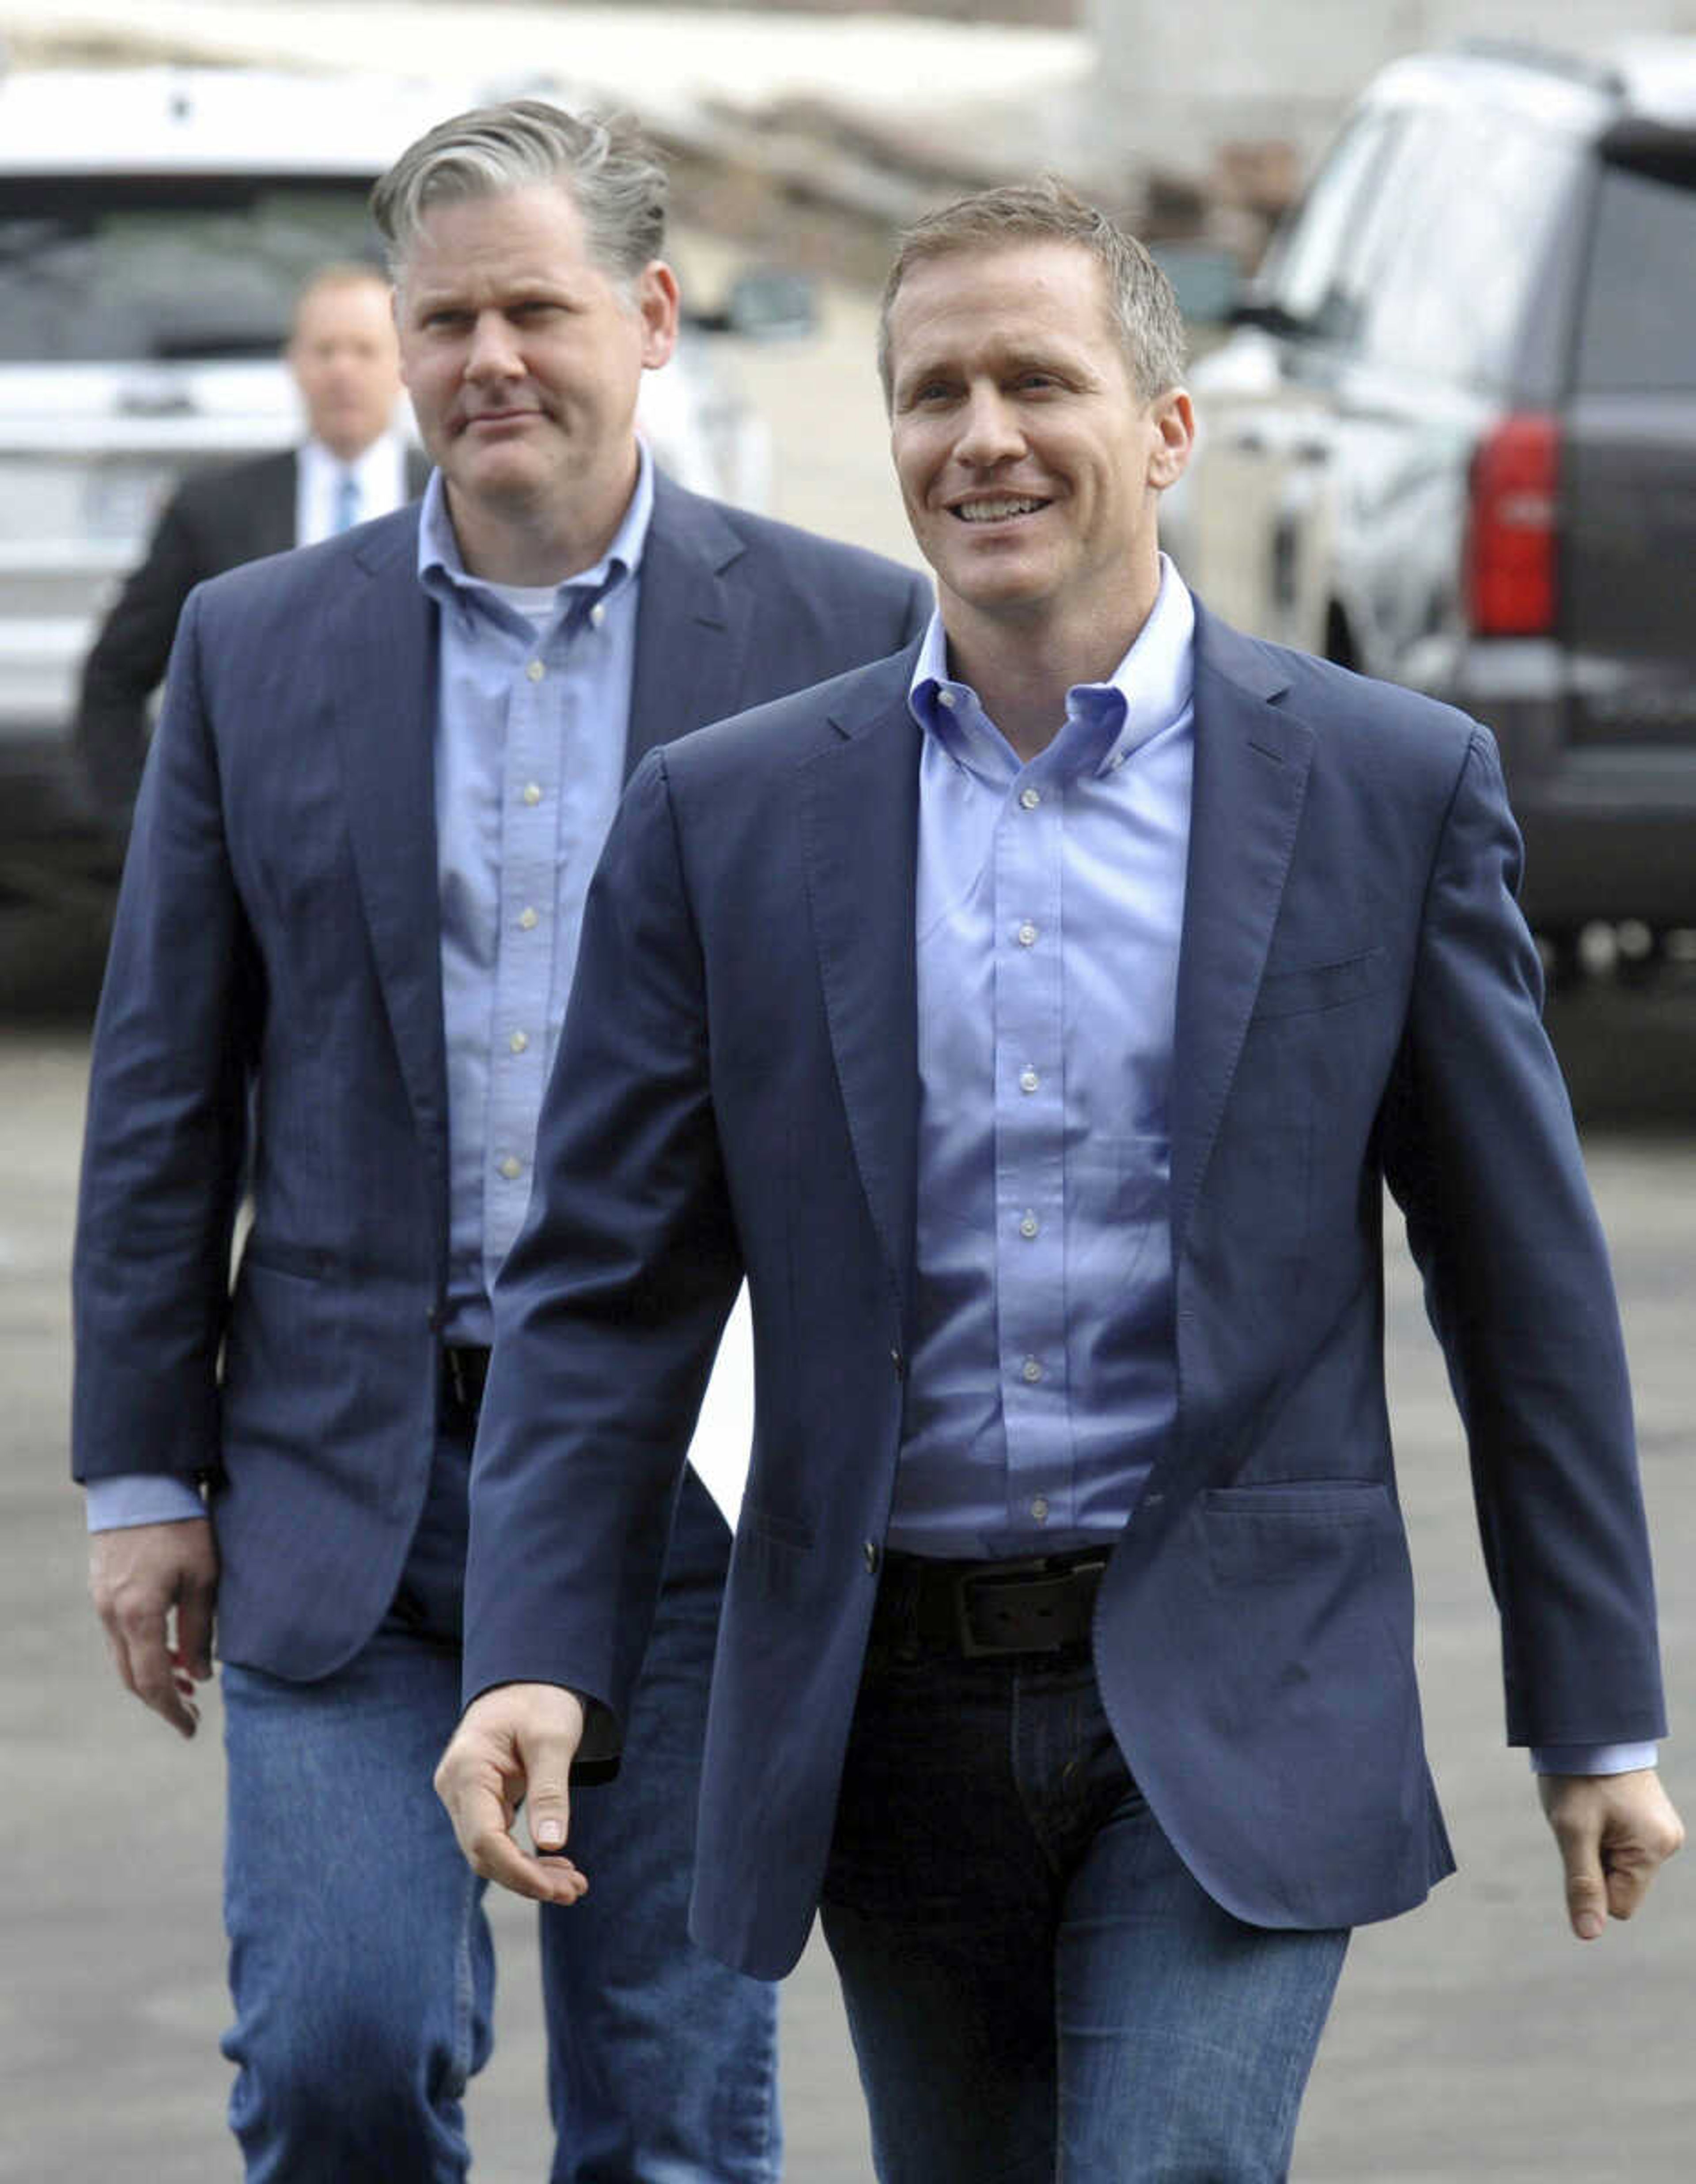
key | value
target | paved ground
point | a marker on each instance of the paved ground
(1471, 2042)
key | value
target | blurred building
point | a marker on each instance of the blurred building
(1256, 86)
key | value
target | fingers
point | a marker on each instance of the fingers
(519, 1738)
(142, 1579)
(1614, 1831)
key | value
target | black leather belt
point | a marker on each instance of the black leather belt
(1040, 1605)
(464, 1368)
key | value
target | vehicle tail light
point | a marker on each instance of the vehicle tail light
(1510, 539)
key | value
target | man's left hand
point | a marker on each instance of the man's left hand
(1614, 1832)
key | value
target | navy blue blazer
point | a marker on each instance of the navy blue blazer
(272, 1017)
(738, 1088)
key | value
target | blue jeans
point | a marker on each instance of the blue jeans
(361, 1965)
(1036, 1987)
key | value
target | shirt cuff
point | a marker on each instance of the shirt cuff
(141, 1497)
(1592, 1758)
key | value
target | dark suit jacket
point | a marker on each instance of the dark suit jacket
(272, 1008)
(738, 1088)
(215, 521)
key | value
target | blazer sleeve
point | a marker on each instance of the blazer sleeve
(164, 1143)
(128, 660)
(610, 1306)
(1483, 1154)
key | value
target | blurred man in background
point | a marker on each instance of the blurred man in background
(342, 952)
(353, 464)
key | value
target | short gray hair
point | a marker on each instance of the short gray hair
(1144, 309)
(611, 172)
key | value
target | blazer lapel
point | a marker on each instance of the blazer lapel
(861, 831)
(1251, 768)
(383, 641)
(688, 623)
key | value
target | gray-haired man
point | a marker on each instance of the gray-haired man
(342, 960)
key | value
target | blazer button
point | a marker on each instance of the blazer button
(870, 1551)
(900, 1364)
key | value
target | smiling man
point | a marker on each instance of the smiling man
(342, 954)
(1036, 1019)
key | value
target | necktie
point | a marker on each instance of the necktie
(346, 501)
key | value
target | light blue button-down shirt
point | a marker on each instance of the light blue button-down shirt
(1043, 1379)
(532, 722)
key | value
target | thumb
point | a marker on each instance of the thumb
(1586, 1891)
(547, 1755)
(550, 1815)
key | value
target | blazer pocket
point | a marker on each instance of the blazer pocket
(1269, 1534)
(1320, 985)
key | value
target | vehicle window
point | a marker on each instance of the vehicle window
(1459, 234)
(1636, 329)
(1305, 280)
(109, 268)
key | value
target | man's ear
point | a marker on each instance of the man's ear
(657, 305)
(1172, 416)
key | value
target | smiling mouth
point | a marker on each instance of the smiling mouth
(998, 508)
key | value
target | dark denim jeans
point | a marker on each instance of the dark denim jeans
(1036, 1987)
(361, 1961)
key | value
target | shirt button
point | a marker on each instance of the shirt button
(535, 671)
(532, 794)
(945, 698)
(1027, 935)
(519, 1041)
(1117, 760)
(512, 1168)
(1032, 1369)
(1030, 798)
(1029, 1226)
(1028, 1080)
(528, 921)
(598, 614)
(1039, 1509)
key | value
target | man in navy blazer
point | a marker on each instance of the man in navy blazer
(341, 961)
(1035, 1020)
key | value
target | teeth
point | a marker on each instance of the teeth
(995, 511)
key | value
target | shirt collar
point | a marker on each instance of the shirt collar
(1149, 690)
(377, 466)
(442, 569)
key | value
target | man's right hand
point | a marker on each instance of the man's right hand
(155, 1587)
(516, 1744)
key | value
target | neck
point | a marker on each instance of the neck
(527, 545)
(347, 452)
(1022, 665)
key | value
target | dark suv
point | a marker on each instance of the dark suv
(1452, 441)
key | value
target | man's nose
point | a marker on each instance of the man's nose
(493, 351)
(990, 431)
